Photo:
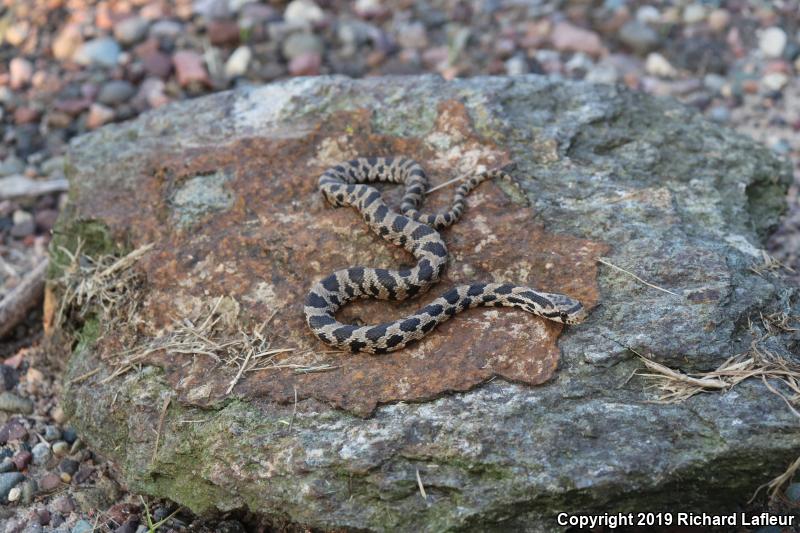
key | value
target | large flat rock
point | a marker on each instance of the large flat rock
(505, 418)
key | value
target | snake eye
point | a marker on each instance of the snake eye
(564, 317)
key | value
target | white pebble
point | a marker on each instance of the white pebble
(14, 494)
(694, 13)
(657, 65)
(516, 66)
(775, 81)
(303, 12)
(772, 41)
(648, 14)
(237, 63)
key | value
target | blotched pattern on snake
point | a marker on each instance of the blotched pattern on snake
(347, 185)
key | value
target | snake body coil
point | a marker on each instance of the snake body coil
(345, 185)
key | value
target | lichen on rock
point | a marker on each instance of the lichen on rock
(505, 418)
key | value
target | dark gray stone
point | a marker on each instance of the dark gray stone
(683, 203)
(9, 377)
(116, 92)
(638, 36)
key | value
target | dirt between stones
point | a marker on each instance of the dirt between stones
(261, 234)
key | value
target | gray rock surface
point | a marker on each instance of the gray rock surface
(682, 202)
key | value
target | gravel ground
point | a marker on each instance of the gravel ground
(70, 66)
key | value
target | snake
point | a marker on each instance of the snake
(348, 184)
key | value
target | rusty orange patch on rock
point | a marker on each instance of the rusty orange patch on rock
(276, 236)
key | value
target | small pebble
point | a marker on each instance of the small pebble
(63, 504)
(99, 115)
(9, 377)
(223, 32)
(657, 65)
(412, 35)
(103, 51)
(11, 165)
(67, 42)
(60, 448)
(772, 41)
(41, 453)
(26, 115)
(69, 435)
(648, 14)
(694, 13)
(82, 526)
(131, 30)
(237, 63)
(43, 515)
(29, 489)
(57, 519)
(20, 72)
(189, 68)
(84, 473)
(22, 459)
(115, 92)
(7, 482)
(793, 492)
(719, 19)
(775, 81)
(579, 63)
(157, 64)
(516, 66)
(76, 446)
(45, 219)
(10, 402)
(567, 37)
(7, 465)
(14, 494)
(298, 44)
(719, 114)
(51, 433)
(640, 37)
(58, 414)
(303, 12)
(49, 482)
(166, 29)
(17, 33)
(780, 146)
(65, 477)
(129, 526)
(68, 466)
(151, 93)
(714, 82)
(307, 64)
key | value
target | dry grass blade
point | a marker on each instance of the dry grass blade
(104, 281)
(214, 334)
(449, 182)
(160, 428)
(769, 264)
(421, 486)
(775, 372)
(637, 278)
(774, 486)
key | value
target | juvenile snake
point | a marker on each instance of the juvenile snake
(344, 185)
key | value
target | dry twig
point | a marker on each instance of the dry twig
(15, 306)
(637, 278)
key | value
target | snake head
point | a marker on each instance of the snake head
(563, 309)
